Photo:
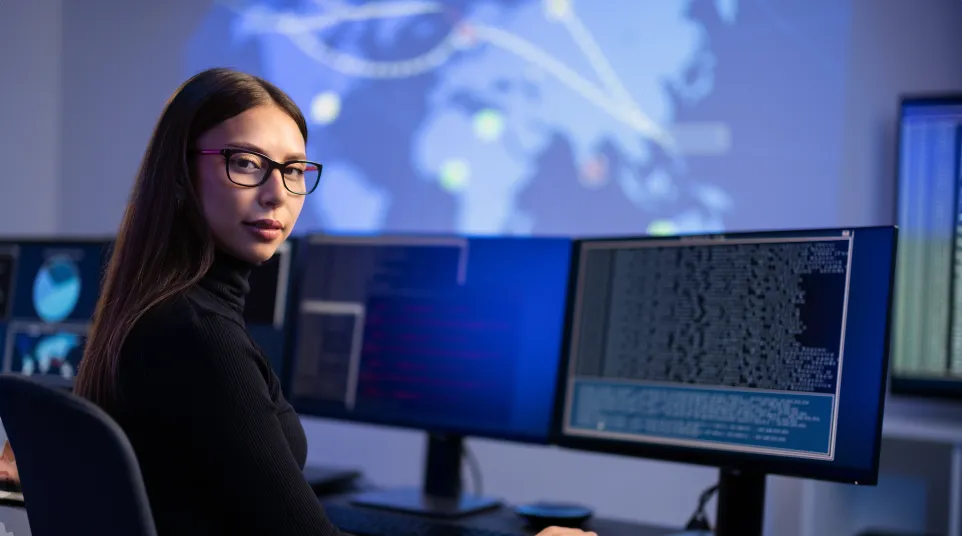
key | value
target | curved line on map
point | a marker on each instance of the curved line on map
(530, 52)
(300, 30)
(596, 58)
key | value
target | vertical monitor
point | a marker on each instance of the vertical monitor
(927, 332)
(265, 307)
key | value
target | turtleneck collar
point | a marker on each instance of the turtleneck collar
(227, 280)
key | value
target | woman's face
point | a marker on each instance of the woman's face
(249, 223)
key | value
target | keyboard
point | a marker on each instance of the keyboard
(371, 522)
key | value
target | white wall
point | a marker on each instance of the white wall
(89, 100)
(30, 118)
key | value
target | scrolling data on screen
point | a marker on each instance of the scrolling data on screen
(765, 345)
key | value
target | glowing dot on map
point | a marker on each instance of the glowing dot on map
(465, 36)
(325, 107)
(662, 228)
(455, 174)
(488, 124)
(594, 173)
(557, 9)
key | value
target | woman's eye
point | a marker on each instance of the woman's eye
(246, 163)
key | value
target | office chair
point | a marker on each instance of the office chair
(77, 469)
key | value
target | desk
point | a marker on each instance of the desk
(504, 519)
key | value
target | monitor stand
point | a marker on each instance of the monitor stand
(741, 503)
(442, 494)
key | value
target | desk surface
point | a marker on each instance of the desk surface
(504, 519)
(501, 519)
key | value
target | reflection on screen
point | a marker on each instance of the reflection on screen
(440, 333)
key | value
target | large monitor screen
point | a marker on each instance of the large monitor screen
(769, 348)
(458, 335)
(555, 117)
(48, 292)
(927, 339)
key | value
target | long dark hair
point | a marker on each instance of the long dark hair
(164, 245)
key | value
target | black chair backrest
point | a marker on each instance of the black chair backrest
(77, 469)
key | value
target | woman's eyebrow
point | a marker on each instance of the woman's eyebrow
(251, 147)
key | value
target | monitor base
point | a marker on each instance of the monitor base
(414, 501)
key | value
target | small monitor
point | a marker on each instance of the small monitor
(927, 329)
(266, 303)
(265, 307)
(48, 293)
(454, 336)
(756, 353)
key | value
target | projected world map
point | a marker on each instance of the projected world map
(493, 117)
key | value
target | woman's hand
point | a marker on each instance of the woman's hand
(8, 464)
(558, 531)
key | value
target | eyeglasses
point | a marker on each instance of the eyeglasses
(250, 169)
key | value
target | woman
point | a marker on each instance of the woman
(221, 186)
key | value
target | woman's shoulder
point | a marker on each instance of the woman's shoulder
(179, 322)
(175, 336)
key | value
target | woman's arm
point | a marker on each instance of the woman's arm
(8, 464)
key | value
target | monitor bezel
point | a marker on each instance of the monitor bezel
(307, 409)
(776, 465)
(933, 387)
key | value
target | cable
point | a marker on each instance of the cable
(475, 469)
(699, 520)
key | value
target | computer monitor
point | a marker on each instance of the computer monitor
(761, 353)
(48, 292)
(454, 336)
(927, 328)
(266, 304)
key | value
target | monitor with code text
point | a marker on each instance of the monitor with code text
(758, 353)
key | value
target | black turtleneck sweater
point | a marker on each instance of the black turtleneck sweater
(220, 449)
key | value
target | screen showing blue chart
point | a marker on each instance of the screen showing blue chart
(553, 116)
(49, 290)
(762, 344)
(445, 334)
(927, 343)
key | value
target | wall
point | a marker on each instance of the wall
(102, 84)
(30, 117)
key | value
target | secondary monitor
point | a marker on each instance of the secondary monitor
(451, 335)
(265, 307)
(761, 353)
(927, 328)
(48, 292)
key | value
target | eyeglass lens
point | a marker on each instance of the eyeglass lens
(248, 169)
